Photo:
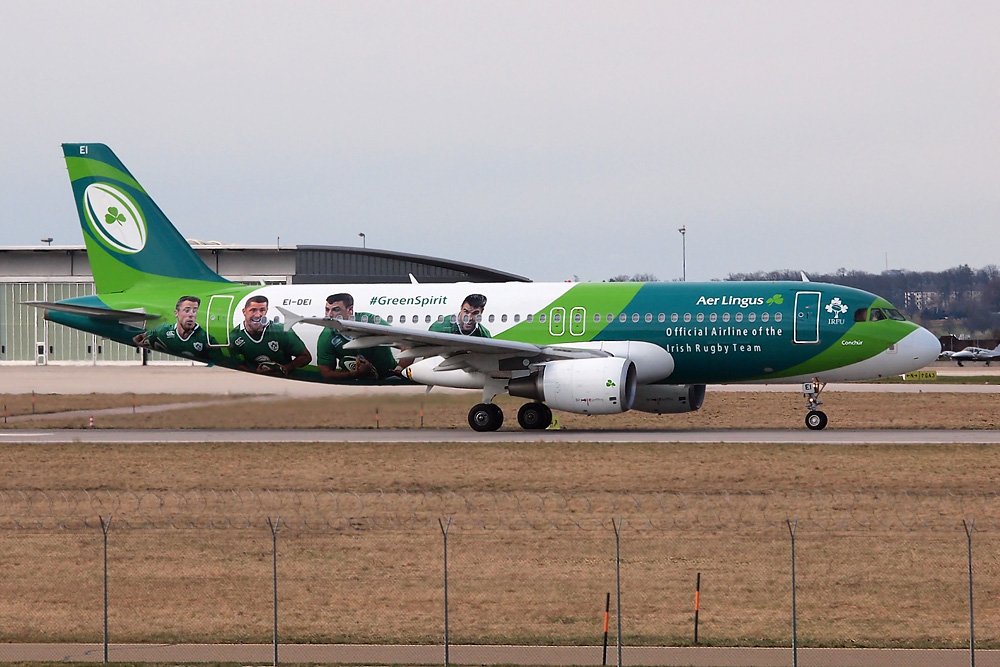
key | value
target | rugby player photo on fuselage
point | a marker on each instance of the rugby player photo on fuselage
(183, 338)
(337, 364)
(261, 346)
(468, 322)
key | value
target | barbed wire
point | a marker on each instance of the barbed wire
(307, 510)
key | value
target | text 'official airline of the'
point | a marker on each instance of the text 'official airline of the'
(589, 348)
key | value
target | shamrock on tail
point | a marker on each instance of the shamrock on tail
(776, 300)
(114, 216)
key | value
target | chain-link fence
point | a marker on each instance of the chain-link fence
(872, 569)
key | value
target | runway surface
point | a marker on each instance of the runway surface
(179, 378)
(799, 436)
(261, 654)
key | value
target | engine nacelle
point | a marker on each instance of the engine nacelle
(669, 398)
(601, 386)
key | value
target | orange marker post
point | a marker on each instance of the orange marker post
(607, 616)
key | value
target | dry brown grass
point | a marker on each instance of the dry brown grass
(869, 584)
(722, 410)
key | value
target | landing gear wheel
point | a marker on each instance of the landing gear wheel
(485, 417)
(534, 416)
(816, 420)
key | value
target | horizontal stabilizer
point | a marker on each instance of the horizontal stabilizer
(124, 316)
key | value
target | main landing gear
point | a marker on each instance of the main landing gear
(816, 419)
(485, 417)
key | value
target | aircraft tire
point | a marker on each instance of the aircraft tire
(816, 420)
(484, 417)
(534, 416)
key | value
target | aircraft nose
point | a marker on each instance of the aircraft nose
(922, 346)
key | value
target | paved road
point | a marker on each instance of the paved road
(492, 655)
(798, 436)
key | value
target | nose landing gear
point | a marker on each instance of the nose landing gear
(816, 419)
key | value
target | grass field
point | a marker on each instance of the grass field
(880, 545)
(722, 410)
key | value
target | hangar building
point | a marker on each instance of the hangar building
(53, 273)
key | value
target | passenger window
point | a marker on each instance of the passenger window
(635, 317)
(751, 317)
(673, 317)
(622, 317)
(441, 318)
(377, 319)
(765, 316)
(402, 319)
(597, 317)
(528, 317)
(611, 317)
(389, 319)
(687, 317)
(700, 317)
(777, 317)
(738, 317)
(517, 318)
(649, 317)
(541, 318)
(427, 319)
(713, 317)
(491, 318)
(661, 318)
(503, 318)
(725, 317)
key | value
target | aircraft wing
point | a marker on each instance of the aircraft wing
(138, 317)
(464, 352)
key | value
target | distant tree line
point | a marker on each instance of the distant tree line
(960, 300)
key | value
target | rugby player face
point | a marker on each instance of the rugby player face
(338, 311)
(186, 314)
(253, 317)
(467, 318)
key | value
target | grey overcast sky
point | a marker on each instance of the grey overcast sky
(550, 139)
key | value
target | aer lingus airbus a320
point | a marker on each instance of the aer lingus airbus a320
(589, 348)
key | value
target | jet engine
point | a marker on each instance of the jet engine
(601, 386)
(669, 398)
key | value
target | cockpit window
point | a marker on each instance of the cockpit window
(876, 315)
(861, 315)
(895, 315)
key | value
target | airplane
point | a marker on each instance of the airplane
(975, 354)
(585, 348)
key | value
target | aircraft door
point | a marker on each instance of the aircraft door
(806, 327)
(220, 308)
(557, 321)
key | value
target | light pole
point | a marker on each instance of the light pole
(684, 261)
(363, 240)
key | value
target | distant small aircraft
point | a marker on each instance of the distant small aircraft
(976, 354)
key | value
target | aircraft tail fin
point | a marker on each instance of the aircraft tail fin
(129, 239)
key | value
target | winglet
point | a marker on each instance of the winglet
(291, 319)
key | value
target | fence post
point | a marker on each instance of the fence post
(618, 584)
(795, 636)
(105, 527)
(274, 571)
(444, 533)
(972, 625)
